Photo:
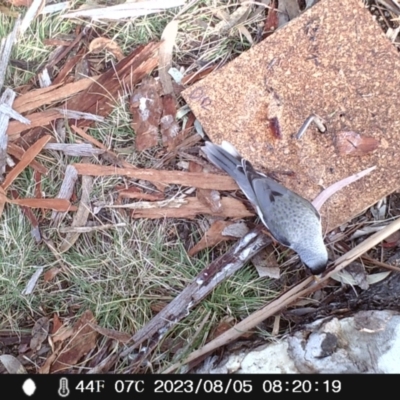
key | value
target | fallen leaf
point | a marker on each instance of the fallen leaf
(81, 343)
(111, 333)
(99, 44)
(237, 230)
(225, 324)
(329, 191)
(211, 238)
(127, 9)
(64, 332)
(271, 22)
(353, 144)
(146, 109)
(168, 38)
(392, 240)
(266, 263)
(45, 368)
(57, 324)
(191, 179)
(51, 274)
(12, 364)
(40, 332)
(32, 282)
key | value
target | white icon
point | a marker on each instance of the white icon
(29, 387)
(63, 390)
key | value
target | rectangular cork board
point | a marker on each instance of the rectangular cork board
(333, 61)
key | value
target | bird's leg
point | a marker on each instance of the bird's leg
(312, 118)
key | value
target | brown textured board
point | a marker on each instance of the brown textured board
(333, 61)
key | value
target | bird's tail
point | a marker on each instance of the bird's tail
(224, 157)
(227, 158)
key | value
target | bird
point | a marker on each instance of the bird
(291, 219)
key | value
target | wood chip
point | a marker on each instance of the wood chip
(146, 109)
(26, 159)
(192, 179)
(230, 208)
(81, 216)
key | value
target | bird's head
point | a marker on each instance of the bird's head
(314, 257)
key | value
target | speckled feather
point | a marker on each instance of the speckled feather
(292, 220)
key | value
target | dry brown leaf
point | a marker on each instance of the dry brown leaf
(51, 274)
(211, 238)
(26, 159)
(100, 44)
(40, 332)
(168, 38)
(111, 333)
(82, 341)
(200, 180)
(45, 368)
(353, 144)
(225, 324)
(146, 109)
(271, 22)
(64, 332)
(266, 263)
(57, 324)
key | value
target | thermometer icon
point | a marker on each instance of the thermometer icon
(63, 390)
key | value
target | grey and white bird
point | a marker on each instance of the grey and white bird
(292, 220)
